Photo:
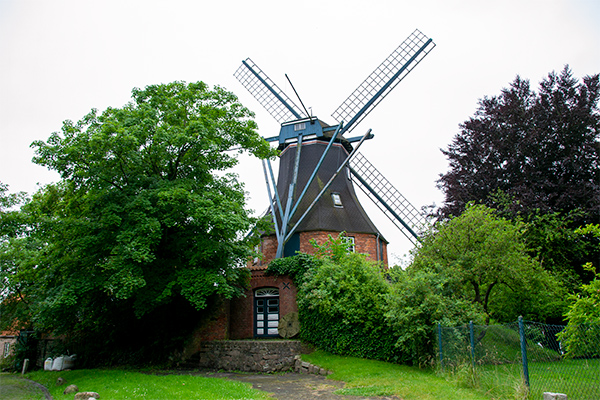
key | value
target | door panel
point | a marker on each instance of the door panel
(266, 312)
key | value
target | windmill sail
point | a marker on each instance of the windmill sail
(267, 93)
(389, 200)
(312, 153)
(383, 79)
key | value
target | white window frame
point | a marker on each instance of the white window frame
(350, 243)
(337, 200)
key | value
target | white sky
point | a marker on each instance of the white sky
(60, 58)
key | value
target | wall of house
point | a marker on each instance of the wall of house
(5, 339)
(366, 243)
(242, 309)
(235, 319)
(217, 326)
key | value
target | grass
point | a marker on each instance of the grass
(573, 377)
(120, 384)
(576, 378)
(499, 369)
(12, 387)
(377, 378)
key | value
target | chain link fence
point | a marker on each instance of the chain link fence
(527, 358)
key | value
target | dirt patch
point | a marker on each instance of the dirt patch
(292, 386)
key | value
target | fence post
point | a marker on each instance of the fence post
(440, 345)
(472, 339)
(523, 351)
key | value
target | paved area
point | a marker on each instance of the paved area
(292, 386)
(15, 387)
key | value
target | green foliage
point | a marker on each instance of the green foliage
(418, 301)
(341, 301)
(485, 261)
(581, 336)
(296, 267)
(145, 223)
(13, 249)
(473, 267)
(562, 247)
(341, 305)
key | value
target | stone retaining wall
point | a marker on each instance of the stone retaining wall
(251, 355)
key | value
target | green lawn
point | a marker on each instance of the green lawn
(118, 384)
(363, 378)
(377, 378)
(578, 379)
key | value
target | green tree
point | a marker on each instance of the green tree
(13, 228)
(581, 335)
(146, 224)
(420, 299)
(485, 261)
(562, 249)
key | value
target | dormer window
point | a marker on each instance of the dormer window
(337, 200)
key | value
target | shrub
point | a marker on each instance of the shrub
(341, 301)
(581, 337)
(416, 303)
(342, 309)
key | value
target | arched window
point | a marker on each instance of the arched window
(266, 312)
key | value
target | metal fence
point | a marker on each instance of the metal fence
(531, 357)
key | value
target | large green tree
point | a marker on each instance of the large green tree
(483, 259)
(146, 224)
(12, 228)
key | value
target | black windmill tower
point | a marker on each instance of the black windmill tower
(319, 165)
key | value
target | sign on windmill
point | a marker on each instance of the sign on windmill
(314, 190)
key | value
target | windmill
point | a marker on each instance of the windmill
(319, 165)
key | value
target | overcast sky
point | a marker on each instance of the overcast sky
(61, 58)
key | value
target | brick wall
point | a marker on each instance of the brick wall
(217, 326)
(365, 243)
(242, 309)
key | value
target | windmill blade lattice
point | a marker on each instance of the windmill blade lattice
(383, 79)
(389, 200)
(267, 93)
